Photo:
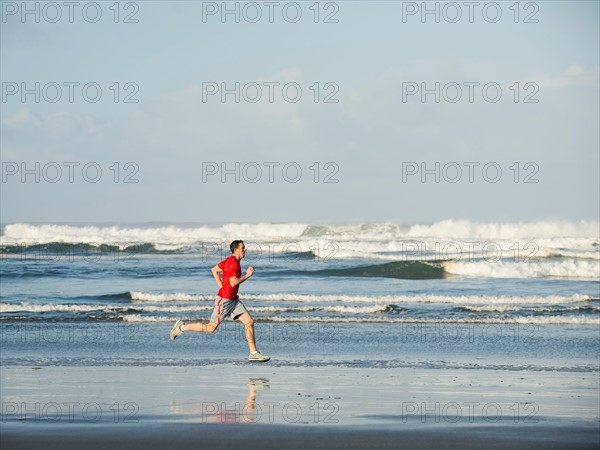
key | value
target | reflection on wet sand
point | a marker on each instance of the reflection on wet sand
(226, 412)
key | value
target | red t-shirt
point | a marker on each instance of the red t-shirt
(231, 268)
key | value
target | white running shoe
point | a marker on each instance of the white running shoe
(176, 330)
(258, 357)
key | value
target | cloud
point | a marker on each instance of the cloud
(574, 75)
(23, 117)
(28, 134)
(59, 125)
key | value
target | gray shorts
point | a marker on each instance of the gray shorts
(225, 308)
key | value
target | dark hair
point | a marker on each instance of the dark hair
(235, 244)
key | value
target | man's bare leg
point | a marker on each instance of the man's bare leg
(201, 327)
(248, 322)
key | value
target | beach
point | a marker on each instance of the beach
(263, 406)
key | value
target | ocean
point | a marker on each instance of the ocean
(454, 294)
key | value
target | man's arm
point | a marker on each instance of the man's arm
(216, 271)
(234, 281)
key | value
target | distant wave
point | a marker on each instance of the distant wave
(51, 307)
(569, 268)
(45, 307)
(84, 249)
(174, 236)
(165, 307)
(387, 299)
(528, 309)
(463, 251)
(137, 299)
(446, 249)
(283, 308)
(163, 237)
(536, 320)
(408, 270)
(168, 297)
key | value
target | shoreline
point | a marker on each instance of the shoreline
(266, 406)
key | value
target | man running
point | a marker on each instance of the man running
(228, 276)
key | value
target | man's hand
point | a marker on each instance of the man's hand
(234, 281)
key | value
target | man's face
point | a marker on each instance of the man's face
(240, 251)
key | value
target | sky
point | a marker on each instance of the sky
(309, 112)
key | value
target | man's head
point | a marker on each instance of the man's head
(238, 249)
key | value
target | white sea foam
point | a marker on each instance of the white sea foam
(537, 320)
(431, 299)
(295, 303)
(588, 269)
(166, 297)
(166, 236)
(383, 237)
(48, 307)
(384, 299)
(141, 318)
(522, 308)
(461, 241)
(465, 250)
(45, 307)
(463, 229)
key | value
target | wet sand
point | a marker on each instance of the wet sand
(265, 406)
